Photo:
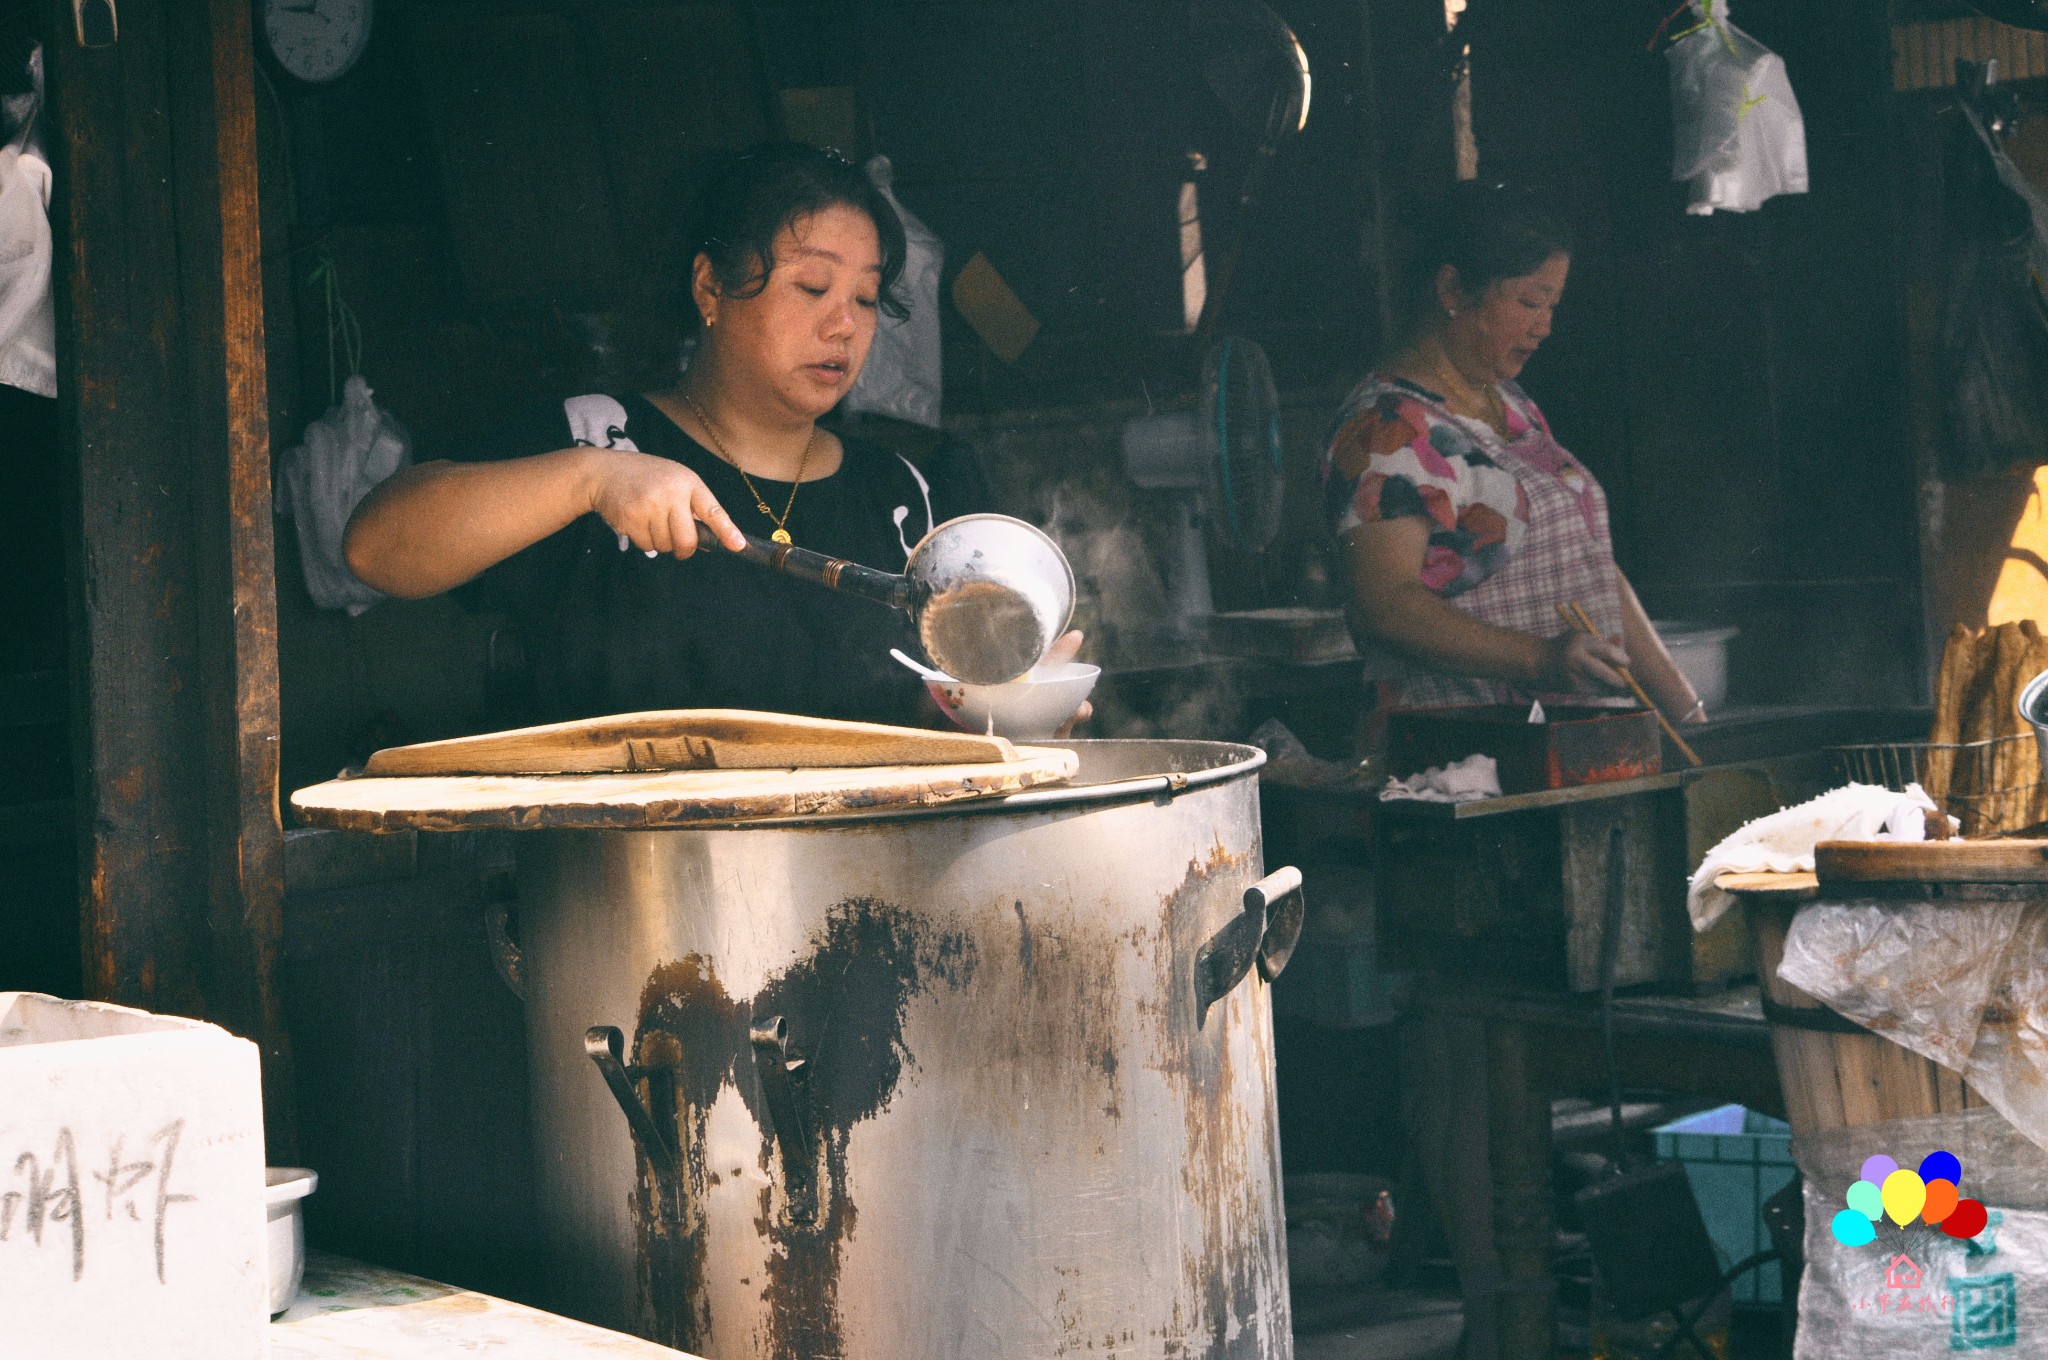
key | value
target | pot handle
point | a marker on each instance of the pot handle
(1285, 909)
(785, 1080)
(1264, 933)
(505, 952)
(605, 1045)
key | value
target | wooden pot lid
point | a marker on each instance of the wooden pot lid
(688, 739)
(673, 798)
(1955, 861)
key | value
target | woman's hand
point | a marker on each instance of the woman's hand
(656, 504)
(1578, 664)
(1066, 649)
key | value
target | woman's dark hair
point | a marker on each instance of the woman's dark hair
(1487, 232)
(749, 198)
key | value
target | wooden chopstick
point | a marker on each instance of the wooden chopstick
(1575, 615)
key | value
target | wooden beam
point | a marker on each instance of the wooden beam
(164, 409)
(1408, 142)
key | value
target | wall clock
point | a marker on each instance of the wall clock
(316, 40)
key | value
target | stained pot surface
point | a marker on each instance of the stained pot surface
(1029, 1138)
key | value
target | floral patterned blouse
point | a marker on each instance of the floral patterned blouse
(1517, 525)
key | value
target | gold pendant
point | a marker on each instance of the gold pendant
(782, 536)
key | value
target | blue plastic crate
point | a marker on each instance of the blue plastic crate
(1736, 1159)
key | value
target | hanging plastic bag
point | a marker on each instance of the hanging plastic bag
(28, 319)
(346, 453)
(1737, 134)
(901, 377)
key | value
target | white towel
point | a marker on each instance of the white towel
(1782, 843)
(1461, 781)
(28, 320)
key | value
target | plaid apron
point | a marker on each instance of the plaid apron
(1565, 553)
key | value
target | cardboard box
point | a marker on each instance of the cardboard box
(131, 1186)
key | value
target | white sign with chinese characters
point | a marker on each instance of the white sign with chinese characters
(131, 1185)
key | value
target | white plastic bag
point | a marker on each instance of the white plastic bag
(1947, 1296)
(1737, 134)
(346, 453)
(901, 377)
(28, 318)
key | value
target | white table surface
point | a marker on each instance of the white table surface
(347, 1310)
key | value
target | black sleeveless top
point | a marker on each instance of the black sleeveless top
(610, 631)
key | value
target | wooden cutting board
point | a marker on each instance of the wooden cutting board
(688, 739)
(1987, 861)
(672, 798)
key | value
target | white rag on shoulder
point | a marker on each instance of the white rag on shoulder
(1461, 781)
(1782, 843)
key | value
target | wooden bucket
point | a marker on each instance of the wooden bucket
(1835, 1073)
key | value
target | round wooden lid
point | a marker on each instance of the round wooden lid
(669, 798)
(1951, 861)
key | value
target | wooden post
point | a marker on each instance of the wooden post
(164, 410)
(1518, 1148)
(1409, 139)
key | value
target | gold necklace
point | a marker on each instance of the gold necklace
(781, 522)
(1496, 411)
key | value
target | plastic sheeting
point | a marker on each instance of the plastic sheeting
(1862, 1303)
(1737, 134)
(1962, 982)
(901, 376)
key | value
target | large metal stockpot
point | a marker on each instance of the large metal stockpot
(993, 1080)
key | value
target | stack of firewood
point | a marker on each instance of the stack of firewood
(1982, 764)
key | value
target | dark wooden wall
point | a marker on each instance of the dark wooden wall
(164, 439)
(1736, 381)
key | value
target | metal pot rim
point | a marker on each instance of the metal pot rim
(1242, 760)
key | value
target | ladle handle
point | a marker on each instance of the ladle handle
(831, 572)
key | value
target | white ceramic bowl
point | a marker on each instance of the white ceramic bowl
(1700, 651)
(1030, 708)
(284, 1194)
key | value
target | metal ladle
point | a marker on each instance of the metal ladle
(989, 593)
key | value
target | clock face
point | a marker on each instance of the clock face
(316, 40)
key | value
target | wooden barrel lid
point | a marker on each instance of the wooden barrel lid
(669, 798)
(1956, 861)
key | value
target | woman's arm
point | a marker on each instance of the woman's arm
(1389, 603)
(436, 525)
(1654, 668)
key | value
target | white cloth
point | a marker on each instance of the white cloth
(28, 317)
(1737, 134)
(1461, 781)
(1782, 843)
(346, 453)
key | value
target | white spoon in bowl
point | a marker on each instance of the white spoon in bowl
(936, 677)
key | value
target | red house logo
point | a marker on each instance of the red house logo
(1902, 1273)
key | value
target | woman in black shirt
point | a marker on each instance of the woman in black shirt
(586, 520)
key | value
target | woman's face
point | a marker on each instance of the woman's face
(802, 339)
(1492, 336)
